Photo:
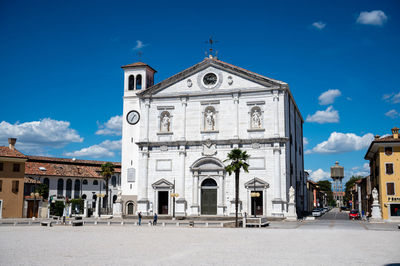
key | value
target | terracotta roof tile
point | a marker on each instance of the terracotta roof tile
(7, 152)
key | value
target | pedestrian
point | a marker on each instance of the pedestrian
(155, 219)
(140, 218)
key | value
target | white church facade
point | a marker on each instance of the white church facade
(177, 134)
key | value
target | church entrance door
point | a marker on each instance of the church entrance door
(257, 204)
(162, 202)
(209, 197)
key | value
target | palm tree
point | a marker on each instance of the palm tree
(238, 161)
(107, 170)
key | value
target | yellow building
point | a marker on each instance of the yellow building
(12, 172)
(384, 157)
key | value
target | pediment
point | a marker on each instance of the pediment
(227, 77)
(162, 183)
(257, 183)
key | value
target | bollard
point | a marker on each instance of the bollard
(108, 223)
(95, 222)
(163, 224)
(206, 224)
(222, 224)
(177, 224)
(122, 223)
(15, 223)
(135, 223)
(30, 223)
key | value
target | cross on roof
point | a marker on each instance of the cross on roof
(211, 41)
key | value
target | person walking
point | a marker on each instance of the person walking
(155, 219)
(140, 218)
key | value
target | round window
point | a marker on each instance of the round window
(210, 80)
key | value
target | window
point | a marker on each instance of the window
(16, 167)
(395, 210)
(1, 166)
(77, 188)
(139, 82)
(46, 182)
(1, 185)
(60, 187)
(69, 189)
(95, 182)
(15, 186)
(84, 182)
(389, 168)
(113, 181)
(131, 85)
(388, 151)
(390, 189)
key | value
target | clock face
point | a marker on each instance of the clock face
(133, 117)
(210, 79)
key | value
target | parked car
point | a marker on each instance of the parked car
(324, 210)
(354, 214)
(316, 213)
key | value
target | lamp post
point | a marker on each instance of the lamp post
(254, 195)
(174, 195)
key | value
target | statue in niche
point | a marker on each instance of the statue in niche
(256, 119)
(165, 123)
(210, 120)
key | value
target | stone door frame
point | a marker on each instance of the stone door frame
(260, 185)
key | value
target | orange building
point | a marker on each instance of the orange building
(12, 172)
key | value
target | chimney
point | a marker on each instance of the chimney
(377, 137)
(395, 132)
(11, 143)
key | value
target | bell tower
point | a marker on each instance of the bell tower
(137, 77)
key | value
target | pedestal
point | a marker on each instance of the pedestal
(85, 209)
(195, 210)
(376, 215)
(291, 216)
(277, 208)
(180, 207)
(117, 209)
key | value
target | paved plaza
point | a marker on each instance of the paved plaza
(329, 240)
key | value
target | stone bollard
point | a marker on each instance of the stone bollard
(150, 224)
(222, 224)
(15, 223)
(122, 223)
(108, 223)
(163, 224)
(206, 224)
(177, 224)
(95, 222)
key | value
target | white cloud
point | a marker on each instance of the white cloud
(35, 136)
(330, 115)
(112, 127)
(392, 113)
(343, 142)
(105, 149)
(305, 141)
(359, 170)
(139, 45)
(392, 97)
(328, 97)
(318, 175)
(319, 25)
(375, 17)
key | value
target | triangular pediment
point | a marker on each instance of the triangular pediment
(257, 183)
(162, 183)
(228, 77)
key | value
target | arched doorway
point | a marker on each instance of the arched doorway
(130, 208)
(209, 197)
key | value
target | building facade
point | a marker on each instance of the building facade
(177, 134)
(384, 157)
(12, 167)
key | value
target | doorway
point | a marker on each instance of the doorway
(31, 207)
(257, 204)
(163, 202)
(209, 197)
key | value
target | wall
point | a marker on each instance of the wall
(12, 206)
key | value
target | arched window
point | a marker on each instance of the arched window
(131, 85)
(210, 119)
(139, 82)
(84, 182)
(129, 207)
(114, 198)
(165, 122)
(77, 188)
(255, 117)
(69, 188)
(113, 181)
(60, 187)
(94, 197)
(209, 182)
(84, 196)
(47, 183)
(95, 182)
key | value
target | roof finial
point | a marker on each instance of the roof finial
(211, 53)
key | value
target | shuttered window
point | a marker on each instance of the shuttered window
(389, 168)
(1, 185)
(15, 186)
(390, 189)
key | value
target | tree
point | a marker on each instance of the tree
(238, 158)
(107, 170)
(326, 186)
(43, 190)
(349, 185)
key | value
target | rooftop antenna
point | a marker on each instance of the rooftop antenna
(211, 53)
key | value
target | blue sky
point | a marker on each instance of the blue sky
(62, 86)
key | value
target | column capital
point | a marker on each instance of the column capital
(184, 101)
(235, 97)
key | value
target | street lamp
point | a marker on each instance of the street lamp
(174, 195)
(254, 195)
